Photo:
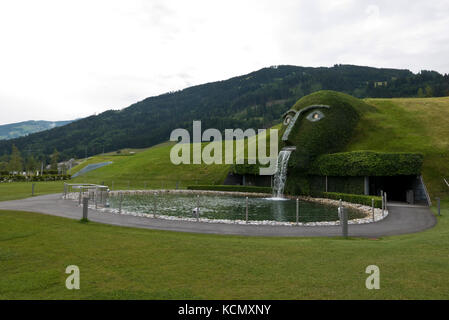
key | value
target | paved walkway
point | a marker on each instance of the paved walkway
(402, 219)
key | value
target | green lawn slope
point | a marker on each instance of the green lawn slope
(409, 125)
(151, 167)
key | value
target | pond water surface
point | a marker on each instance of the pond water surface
(228, 207)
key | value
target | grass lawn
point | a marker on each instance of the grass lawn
(127, 263)
(20, 190)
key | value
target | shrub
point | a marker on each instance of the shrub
(54, 172)
(45, 177)
(231, 188)
(246, 168)
(354, 198)
(367, 163)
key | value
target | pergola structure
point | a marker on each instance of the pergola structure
(98, 194)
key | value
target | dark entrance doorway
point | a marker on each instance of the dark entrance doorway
(396, 187)
(248, 180)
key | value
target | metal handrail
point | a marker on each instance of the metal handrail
(425, 191)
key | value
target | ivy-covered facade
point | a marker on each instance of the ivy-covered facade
(319, 126)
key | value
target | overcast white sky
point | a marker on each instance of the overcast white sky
(62, 60)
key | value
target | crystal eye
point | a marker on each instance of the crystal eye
(287, 120)
(315, 116)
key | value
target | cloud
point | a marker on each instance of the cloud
(70, 59)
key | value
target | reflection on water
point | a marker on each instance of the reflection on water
(229, 207)
(278, 211)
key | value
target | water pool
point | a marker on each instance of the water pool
(227, 207)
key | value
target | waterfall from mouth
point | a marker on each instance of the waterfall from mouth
(280, 177)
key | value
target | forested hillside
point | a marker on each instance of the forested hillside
(255, 100)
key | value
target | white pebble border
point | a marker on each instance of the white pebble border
(366, 210)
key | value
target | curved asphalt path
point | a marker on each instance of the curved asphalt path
(402, 219)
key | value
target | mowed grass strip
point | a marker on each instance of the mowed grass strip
(127, 263)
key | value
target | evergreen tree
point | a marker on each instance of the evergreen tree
(31, 164)
(420, 93)
(15, 162)
(429, 91)
(54, 160)
(4, 163)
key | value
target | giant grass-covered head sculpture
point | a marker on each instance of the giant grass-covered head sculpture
(320, 123)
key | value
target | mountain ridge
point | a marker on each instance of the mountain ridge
(23, 128)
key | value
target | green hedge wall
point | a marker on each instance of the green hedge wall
(45, 177)
(354, 198)
(367, 163)
(247, 168)
(231, 188)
